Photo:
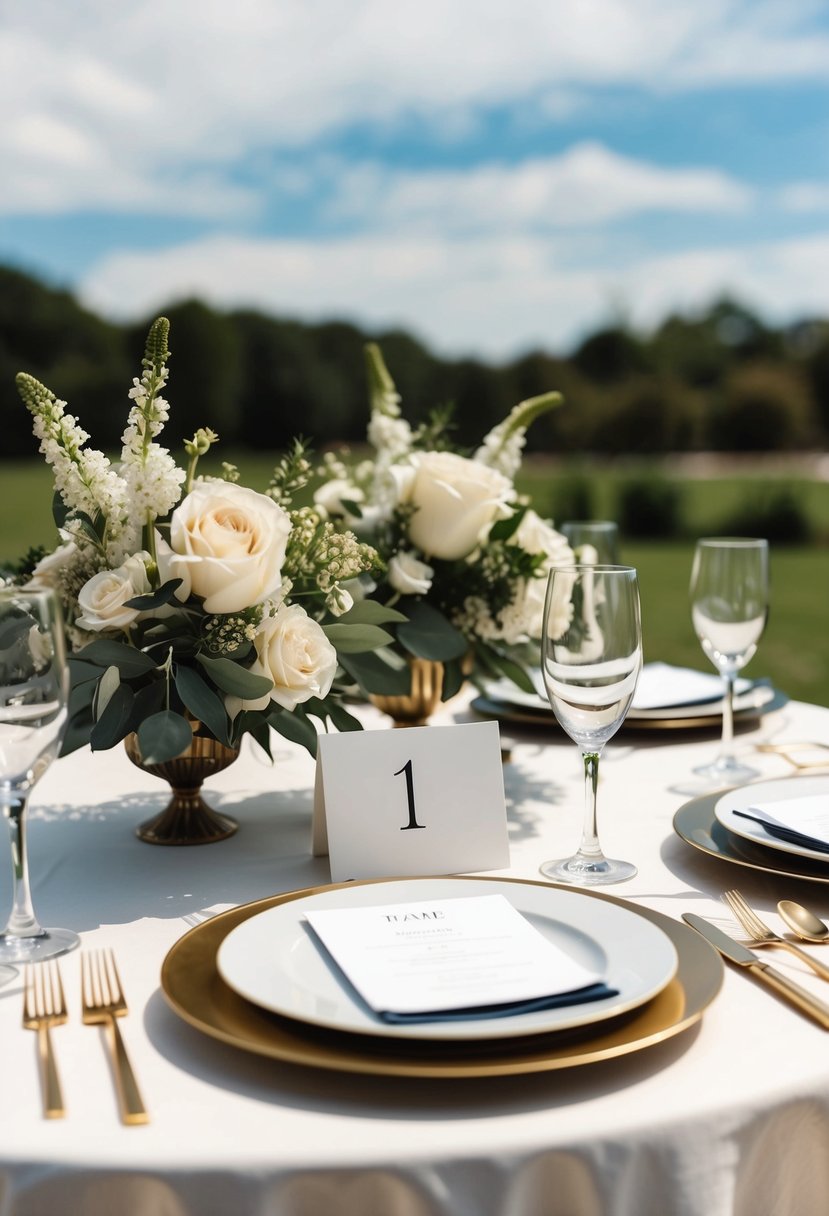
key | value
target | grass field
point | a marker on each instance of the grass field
(794, 651)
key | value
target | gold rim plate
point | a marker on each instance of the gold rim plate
(696, 823)
(194, 989)
(504, 712)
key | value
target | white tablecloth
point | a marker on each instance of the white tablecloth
(730, 1117)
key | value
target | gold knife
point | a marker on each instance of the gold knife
(735, 952)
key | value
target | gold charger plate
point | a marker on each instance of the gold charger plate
(194, 989)
(696, 823)
(503, 711)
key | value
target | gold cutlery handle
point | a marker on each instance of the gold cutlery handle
(798, 996)
(129, 1095)
(53, 1107)
(817, 966)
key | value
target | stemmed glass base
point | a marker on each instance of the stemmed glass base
(7, 974)
(49, 944)
(725, 772)
(588, 871)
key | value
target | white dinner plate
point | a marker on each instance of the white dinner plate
(753, 697)
(273, 959)
(744, 796)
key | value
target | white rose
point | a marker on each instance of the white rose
(170, 567)
(409, 575)
(329, 497)
(456, 500)
(233, 541)
(535, 535)
(45, 573)
(102, 599)
(293, 651)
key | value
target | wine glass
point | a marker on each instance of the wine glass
(33, 693)
(591, 659)
(729, 608)
(602, 535)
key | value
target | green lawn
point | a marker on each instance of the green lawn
(794, 651)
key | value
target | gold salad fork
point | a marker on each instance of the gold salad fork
(103, 1002)
(762, 935)
(44, 1006)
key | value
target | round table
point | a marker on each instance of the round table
(729, 1118)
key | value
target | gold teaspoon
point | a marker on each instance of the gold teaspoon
(803, 922)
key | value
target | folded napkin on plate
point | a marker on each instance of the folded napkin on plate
(450, 960)
(662, 686)
(801, 821)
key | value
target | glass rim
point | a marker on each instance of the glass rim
(596, 567)
(745, 542)
(604, 524)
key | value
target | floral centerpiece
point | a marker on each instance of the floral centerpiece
(465, 557)
(192, 602)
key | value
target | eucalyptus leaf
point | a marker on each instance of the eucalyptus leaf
(14, 626)
(294, 725)
(148, 700)
(156, 599)
(342, 719)
(506, 528)
(453, 678)
(512, 670)
(107, 685)
(202, 701)
(428, 635)
(356, 639)
(163, 736)
(236, 680)
(114, 723)
(78, 730)
(369, 612)
(129, 661)
(82, 673)
(59, 510)
(376, 674)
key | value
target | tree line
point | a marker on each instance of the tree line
(721, 381)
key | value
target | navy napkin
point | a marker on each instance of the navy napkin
(789, 835)
(580, 996)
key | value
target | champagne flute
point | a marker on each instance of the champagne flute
(601, 535)
(33, 693)
(591, 659)
(729, 609)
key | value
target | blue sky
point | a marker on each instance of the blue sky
(494, 177)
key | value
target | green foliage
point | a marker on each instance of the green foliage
(772, 512)
(649, 507)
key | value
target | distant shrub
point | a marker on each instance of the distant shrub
(572, 498)
(763, 408)
(775, 514)
(649, 507)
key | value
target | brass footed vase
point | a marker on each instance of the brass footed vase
(187, 819)
(416, 708)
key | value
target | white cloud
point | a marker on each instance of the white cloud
(804, 197)
(587, 185)
(162, 90)
(494, 296)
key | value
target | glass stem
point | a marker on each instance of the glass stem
(22, 922)
(727, 744)
(590, 846)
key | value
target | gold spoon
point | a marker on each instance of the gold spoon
(803, 922)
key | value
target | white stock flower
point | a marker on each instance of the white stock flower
(456, 501)
(232, 541)
(102, 599)
(409, 575)
(292, 651)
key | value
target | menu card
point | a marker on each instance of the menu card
(806, 817)
(448, 959)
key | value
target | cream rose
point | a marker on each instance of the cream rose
(329, 497)
(409, 575)
(47, 570)
(232, 541)
(293, 651)
(456, 500)
(102, 599)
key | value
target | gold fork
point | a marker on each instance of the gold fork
(44, 1006)
(102, 1003)
(762, 935)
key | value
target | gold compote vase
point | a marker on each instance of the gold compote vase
(416, 707)
(187, 819)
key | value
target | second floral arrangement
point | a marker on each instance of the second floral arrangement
(465, 557)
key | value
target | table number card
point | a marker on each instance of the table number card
(424, 800)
